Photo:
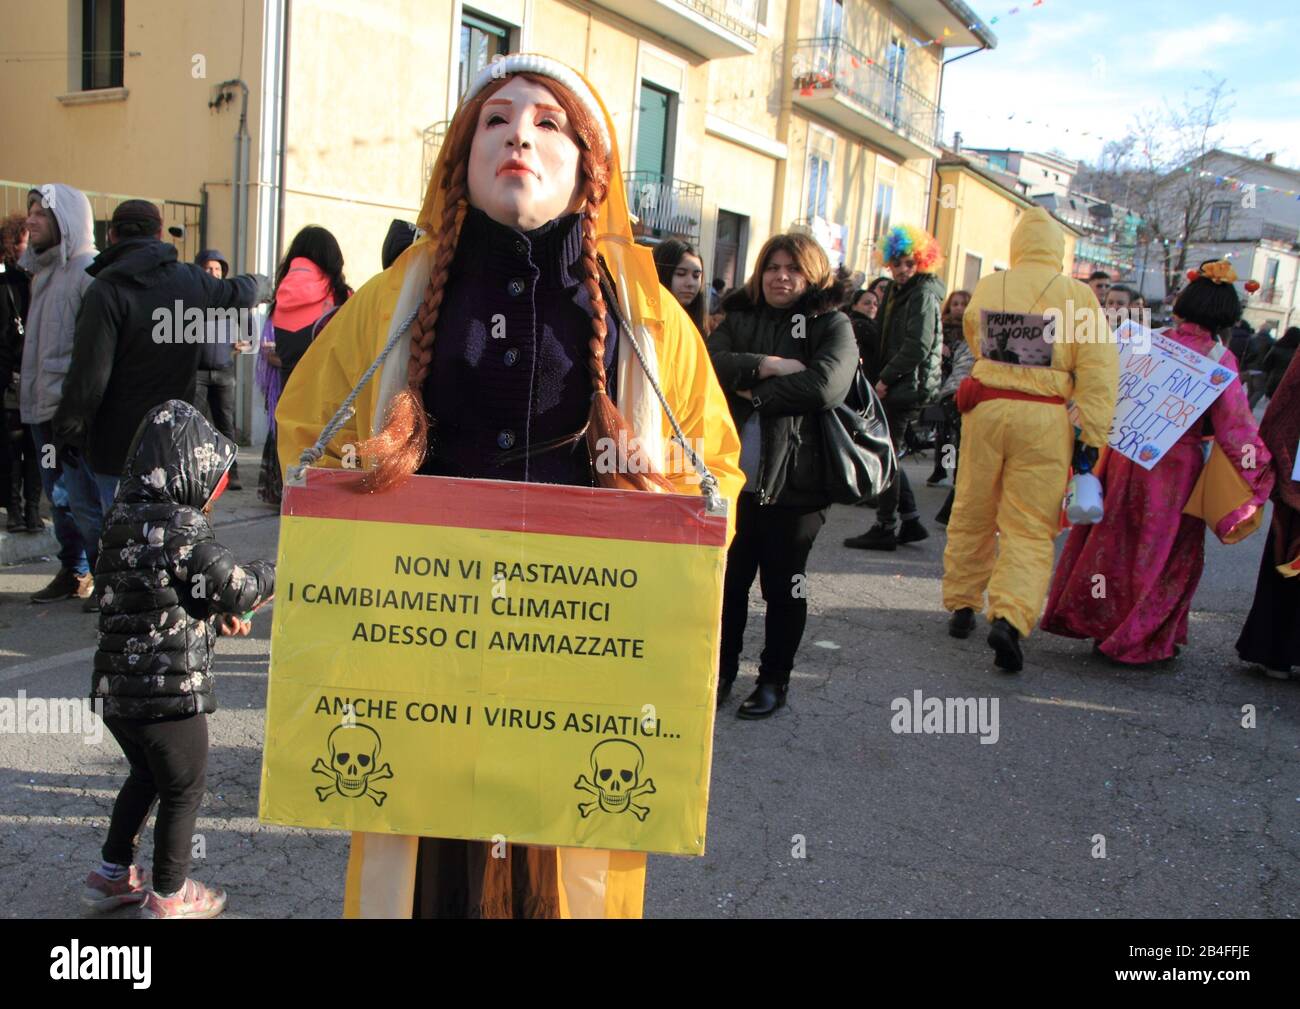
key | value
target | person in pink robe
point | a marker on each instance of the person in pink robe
(1149, 552)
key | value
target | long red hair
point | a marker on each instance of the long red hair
(400, 447)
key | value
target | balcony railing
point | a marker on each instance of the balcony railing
(713, 28)
(737, 16)
(832, 63)
(665, 207)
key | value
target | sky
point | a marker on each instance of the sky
(1069, 74)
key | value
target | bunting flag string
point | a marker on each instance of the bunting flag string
(1236, 185)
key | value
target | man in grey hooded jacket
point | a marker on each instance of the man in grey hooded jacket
(61, 245)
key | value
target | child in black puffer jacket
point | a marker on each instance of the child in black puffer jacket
(166, 589)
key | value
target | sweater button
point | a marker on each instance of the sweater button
(511, 357)
(520, 248)
(505, 439)
(515, 288)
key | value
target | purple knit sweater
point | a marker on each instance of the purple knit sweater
(510, 355)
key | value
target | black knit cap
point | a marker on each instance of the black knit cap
(139, 217)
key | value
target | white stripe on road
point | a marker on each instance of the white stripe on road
(1062, 702)
(44, 665)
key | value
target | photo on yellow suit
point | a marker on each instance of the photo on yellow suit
(492, 660)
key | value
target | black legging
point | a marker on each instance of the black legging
(169, 763)
(897, 499)
(772, 541)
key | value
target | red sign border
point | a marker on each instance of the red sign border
(509, 506)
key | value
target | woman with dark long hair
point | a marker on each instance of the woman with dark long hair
(784, 354)
(681, 271)
(308, 286)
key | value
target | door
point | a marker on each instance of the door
(729, 249)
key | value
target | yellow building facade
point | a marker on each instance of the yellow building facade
(735, 118)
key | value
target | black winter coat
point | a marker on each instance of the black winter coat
(162, 579)
(913, 341)
(15, 298)
(128, 354)
(1275, 364)
(791, 471)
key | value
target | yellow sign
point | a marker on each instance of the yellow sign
(491, 660)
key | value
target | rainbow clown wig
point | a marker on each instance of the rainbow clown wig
(904, 240)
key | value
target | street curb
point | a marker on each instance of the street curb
(20, 548)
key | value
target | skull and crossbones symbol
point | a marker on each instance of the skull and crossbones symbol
(616, 767)
(354, 755)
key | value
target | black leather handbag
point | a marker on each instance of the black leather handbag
(859, 454)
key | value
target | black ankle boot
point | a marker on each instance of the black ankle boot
(724, 689)
(911, 531)
(962, 622)
(878, 537)
(763, 702)
(1005, 642)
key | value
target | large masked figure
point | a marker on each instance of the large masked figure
(1016, 437)
(530, 293)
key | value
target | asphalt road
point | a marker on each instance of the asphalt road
(820, 811)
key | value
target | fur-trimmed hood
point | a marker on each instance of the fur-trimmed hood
(815, 301)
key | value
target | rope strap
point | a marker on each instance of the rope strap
(346, 409)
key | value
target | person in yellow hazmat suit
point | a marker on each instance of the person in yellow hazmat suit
(1039, 340)
(540, 341)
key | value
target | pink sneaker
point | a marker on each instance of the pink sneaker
(192, 900)
(103, 894)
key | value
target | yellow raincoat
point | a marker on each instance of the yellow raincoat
(1015, 455)
(591, 883)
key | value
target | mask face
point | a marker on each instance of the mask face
(524, 158)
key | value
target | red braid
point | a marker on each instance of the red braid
(402, 443)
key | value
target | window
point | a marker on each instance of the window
(821, 155)
(819, 184)
(831, 19)
(480, 39)
(897, 70)
(102, 30)
(1219, 215)
(1270, 281)
(654, 131)
(971, 273)
(883, 210)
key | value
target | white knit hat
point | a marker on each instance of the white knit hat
(547, 67)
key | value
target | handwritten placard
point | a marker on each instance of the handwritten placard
(1162, 393)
